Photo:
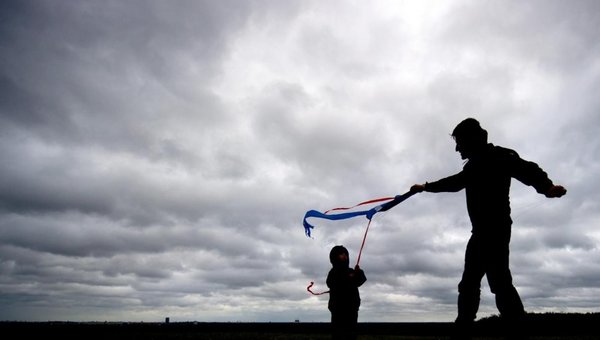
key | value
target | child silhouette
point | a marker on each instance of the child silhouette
(344, 298)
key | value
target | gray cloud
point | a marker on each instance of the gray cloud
(158, 157)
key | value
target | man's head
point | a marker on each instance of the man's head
(469, 137)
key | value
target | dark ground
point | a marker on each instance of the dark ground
(537, 327)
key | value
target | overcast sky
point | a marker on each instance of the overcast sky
(157, 157)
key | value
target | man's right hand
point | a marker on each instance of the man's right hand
(417, 188)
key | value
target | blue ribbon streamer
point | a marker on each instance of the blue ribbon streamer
(342, 216)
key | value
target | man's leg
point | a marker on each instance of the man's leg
(511, 311)
(499, 277)
(508, 301)
(469, 290)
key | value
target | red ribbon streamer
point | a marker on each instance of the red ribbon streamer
(362, 203)
(313, 293)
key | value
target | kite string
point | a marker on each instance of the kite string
(363, 243)
(526, 208)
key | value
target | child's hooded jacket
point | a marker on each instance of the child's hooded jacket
(343, 282)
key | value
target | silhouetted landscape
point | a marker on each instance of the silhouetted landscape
(537, 326)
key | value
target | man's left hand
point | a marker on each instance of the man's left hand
(556, 191)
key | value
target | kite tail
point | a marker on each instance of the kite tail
(342, 216)
(393, 201)
(313, 293)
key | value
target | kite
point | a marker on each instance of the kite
(391, 202)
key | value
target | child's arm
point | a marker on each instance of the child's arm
(358, 276)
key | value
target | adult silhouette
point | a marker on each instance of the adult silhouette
(486, 178)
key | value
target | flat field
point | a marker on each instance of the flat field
(537, 327)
